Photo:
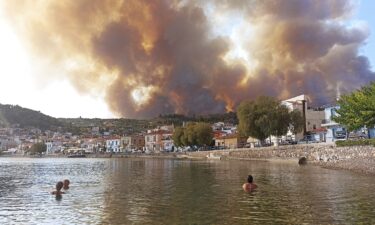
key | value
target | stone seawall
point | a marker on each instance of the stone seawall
(357, 158)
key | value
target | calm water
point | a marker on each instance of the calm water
(155, 191)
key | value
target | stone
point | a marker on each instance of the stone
(302, 161)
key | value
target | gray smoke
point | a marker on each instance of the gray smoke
(157, 57)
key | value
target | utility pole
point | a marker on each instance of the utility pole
(304, 117)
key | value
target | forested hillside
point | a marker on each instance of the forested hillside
(11, 115)
(14, 115)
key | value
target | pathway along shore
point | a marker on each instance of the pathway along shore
(356, 158)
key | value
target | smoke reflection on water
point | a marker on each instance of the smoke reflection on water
(156, 191)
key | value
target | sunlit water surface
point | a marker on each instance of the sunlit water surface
(157, 191)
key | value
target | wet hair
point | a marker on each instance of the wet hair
(59, 185)
(250, 179)
(66, 181)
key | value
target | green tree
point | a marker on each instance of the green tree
(38, 148)
(190, 137)
(249, 122)
(279, 121)
(296, 121)
(204, 134)
(177, 136)
(357, 109)
(199, 134)
(262, 117)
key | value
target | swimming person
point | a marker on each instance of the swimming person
(249, 186)
(66, 184)
(58, 191)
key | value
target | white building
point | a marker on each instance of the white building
(313, 117)
(53, 147)
(91, 145)
(334, 130)
(7, 142)
(113, 145)
(228, 129)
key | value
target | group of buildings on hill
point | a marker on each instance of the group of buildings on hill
(318, 127)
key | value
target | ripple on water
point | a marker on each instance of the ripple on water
(152, 191)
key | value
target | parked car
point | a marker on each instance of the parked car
(287, 142)
(357, 135)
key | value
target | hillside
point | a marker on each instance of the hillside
(14, 115)
(11, 115)
(114, 126)
(178, 119)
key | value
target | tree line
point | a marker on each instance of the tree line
(259, 118)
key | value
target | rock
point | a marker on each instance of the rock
(302, 161)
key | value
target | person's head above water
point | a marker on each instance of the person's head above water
(250, 179)
(66, 184)
(59, 185)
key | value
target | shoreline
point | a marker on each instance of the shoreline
(362, 165)
(359, 159)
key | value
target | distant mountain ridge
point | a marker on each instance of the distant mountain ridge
(11, 115)
(14, 115)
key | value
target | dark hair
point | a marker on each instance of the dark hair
(66, 181)
(59, 185)
(250, 179)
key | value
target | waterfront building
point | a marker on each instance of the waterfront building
(334, 130)
(159, 139)
(313, 117)
(92, 145)
(7, 142)
(53, 147)
(113, 144)
(231, 141)
(133, 142)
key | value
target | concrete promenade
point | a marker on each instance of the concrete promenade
(356, 158)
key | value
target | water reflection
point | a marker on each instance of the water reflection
(156, 191)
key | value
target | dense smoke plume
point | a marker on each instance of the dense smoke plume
(157, 57)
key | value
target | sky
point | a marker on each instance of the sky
(366, 14)
(35, 78)
(56, 98)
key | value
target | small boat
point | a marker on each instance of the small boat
(77, 156)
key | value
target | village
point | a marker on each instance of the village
(318, 128)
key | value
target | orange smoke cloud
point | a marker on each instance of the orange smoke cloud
(157, 57)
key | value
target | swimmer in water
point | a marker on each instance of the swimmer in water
(66, 184)
(249, 185)
(58, 191)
